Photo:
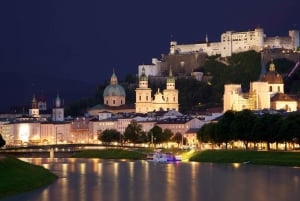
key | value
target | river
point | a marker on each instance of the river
(113, 180)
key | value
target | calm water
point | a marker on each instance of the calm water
(112, 180)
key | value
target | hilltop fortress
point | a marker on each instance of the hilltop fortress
(186, 58)
(234, 42)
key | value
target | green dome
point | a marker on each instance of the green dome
(114, 90)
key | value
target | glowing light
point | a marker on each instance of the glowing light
(24, 132)
(82, 168)
(236, 165)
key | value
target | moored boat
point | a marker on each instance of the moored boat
(165, 157)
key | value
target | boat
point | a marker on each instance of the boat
(164, 157)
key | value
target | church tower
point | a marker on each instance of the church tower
(170, 93)
(58, 110)
(143, 100)
(34, 111)
(274, 81)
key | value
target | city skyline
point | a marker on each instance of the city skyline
(85, 42)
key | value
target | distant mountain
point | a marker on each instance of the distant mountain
(17, 89)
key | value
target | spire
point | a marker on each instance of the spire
(206, 38)
(34, 102)
(170, 72)
(57, 101)
(272, 67)
(113, 79)
(170, 78)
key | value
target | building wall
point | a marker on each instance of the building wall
(290, 106)
(122, 124)
(114, 100)
(96, 127)
(153, 69)
(262, 95)
(231, 92)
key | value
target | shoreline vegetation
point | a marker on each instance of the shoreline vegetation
(276, 158)
(17, 176)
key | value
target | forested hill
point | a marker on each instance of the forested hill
(241, 68)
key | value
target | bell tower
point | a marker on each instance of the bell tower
(58, 110)
(143, 100)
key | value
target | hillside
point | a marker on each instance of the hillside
(241, 68)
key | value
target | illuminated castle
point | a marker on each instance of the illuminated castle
(234, 42)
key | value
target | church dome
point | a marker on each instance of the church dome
(114, 89)
(272, 77)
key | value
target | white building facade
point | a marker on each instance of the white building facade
(234, 42)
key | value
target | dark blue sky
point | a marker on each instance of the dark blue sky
(84, 40)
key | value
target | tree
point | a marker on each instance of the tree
(207, 132)
(223, 129)
(2, 141)
(110, 135)
(155, 135)
(178, 138)
(242, 126)
(167, 134)
(290, 127)
(134, 133)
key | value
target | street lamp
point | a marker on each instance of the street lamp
(151, 137)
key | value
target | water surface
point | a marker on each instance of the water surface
(112, 180)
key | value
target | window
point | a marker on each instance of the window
(270, 88)
(146, 97)
(140, 98)
(114, 102)
(278, 88)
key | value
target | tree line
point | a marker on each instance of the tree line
(249, 127)
(136, 135)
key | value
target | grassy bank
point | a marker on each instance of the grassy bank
(17, 176)
(253, 157)
(111, 154)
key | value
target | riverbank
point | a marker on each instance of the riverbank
(17, 176)
(213, 156)
(111, 154)
(251, 157)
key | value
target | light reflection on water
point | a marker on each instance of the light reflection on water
(97, 179)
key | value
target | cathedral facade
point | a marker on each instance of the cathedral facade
(162, 100)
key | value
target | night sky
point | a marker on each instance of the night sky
(85, 40)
